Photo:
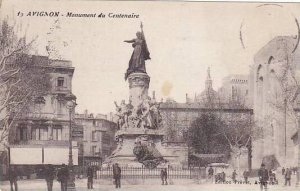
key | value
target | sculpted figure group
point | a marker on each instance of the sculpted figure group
(146, 153)
(145, 115)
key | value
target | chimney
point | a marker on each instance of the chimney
(153, 95)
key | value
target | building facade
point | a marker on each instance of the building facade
(43, 129)
(235, 91)
(270, 91)
(98, 140)
(178, 117)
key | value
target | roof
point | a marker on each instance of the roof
(277, 48)
(200, 107)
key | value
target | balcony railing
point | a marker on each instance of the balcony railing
(43, 143)
(61, 89)
(43, 116)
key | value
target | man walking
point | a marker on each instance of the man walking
(246, 176)
(164, 176)
(49, 175)
(62, 177)
(90, 176)
(234, 176)
(263, 176)
(13, 178)
(288, 176)
(210, 174)
(283, 171)
(117, 175)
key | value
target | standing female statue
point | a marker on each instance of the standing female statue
(139, 55)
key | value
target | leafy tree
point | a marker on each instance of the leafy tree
(204, 135)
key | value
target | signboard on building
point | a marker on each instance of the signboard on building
(21, 155)
(77, 132)
(58, 156)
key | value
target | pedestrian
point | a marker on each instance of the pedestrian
(62, 177)
(263, 176)
(274, 172)
(117, 175)
(283, 171)
(90, 176)
(271, 177)
(246, 176)
(13, 178)
(288, 176)
(49, 174)
(164, 176)
(234, 176)
(210, 174)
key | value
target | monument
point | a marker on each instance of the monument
(139, 136)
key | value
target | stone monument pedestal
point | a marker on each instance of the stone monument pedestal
(174, 154)
(140, 133)
(127, 140)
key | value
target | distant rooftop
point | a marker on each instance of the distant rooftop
(49, 62)
(87, 115)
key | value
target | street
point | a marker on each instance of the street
(40, 185)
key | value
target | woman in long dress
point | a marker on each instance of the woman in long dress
(139, 55)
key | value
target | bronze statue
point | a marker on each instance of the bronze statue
(139, 55)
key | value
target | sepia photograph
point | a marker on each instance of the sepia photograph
(149, 95)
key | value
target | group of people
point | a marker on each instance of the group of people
(265, 176)
(50, 173)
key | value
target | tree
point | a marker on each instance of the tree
(22, 80)
(238, 131)
(204, 137)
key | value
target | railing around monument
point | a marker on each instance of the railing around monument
(144, 173)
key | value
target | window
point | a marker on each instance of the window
(93, 150)
(106, 138)
(39, 133)
(60, 82)
(61, 106)
(23, 133)
(106, 152)
(57, 131)
(94, 136)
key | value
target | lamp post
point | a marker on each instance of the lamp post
(71, 103)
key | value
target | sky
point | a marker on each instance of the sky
(184, 39)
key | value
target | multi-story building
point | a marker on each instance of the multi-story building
(98, 140)
(234, 91)
(41, 134)
(178, 117)
(270, 91)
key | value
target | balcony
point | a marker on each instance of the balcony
(61, 89)
(42, 143)
(43, 116)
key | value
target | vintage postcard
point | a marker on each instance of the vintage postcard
(151, 95)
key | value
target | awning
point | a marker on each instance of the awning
(29, 155)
